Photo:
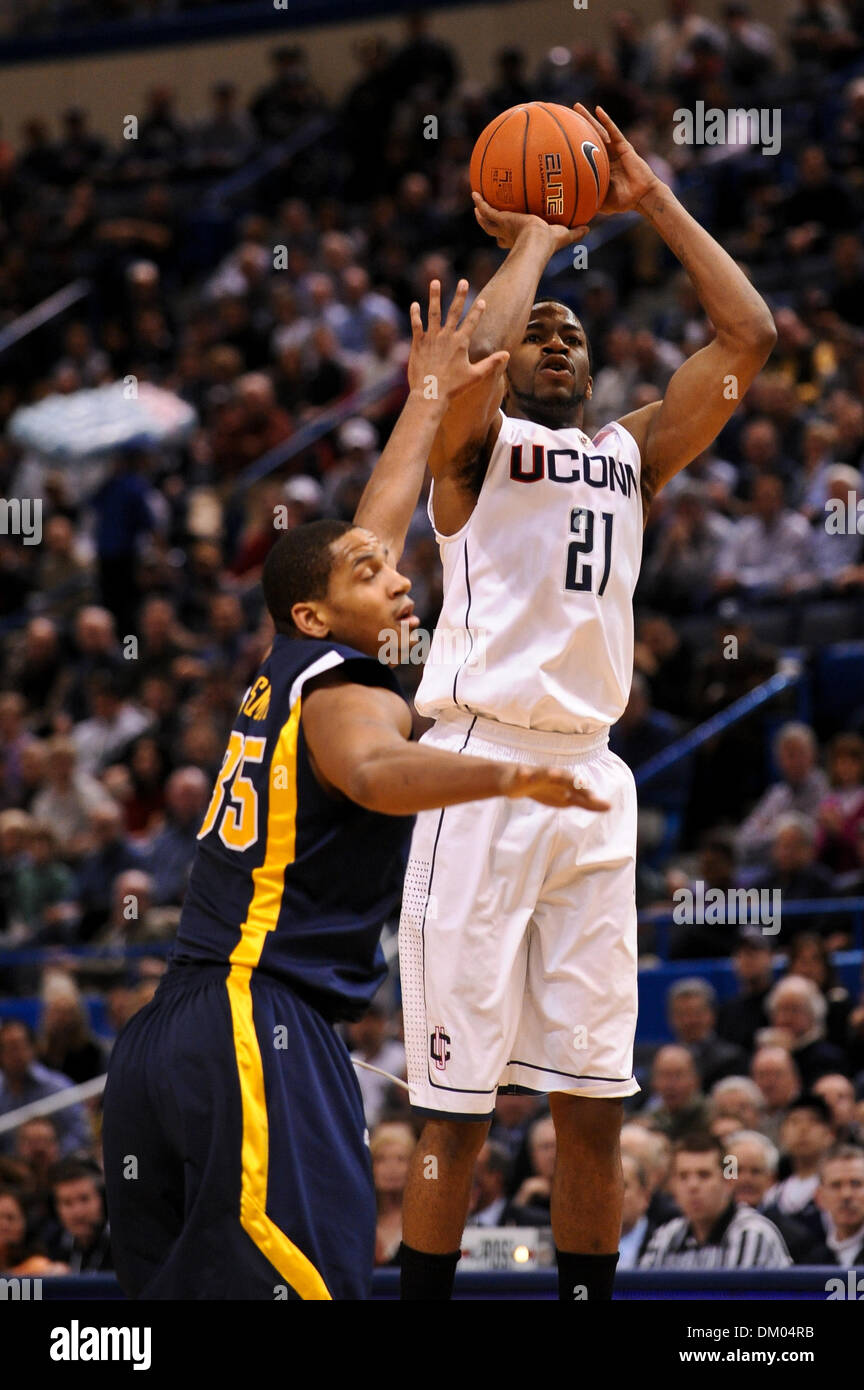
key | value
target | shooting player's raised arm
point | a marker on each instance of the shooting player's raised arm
(471, 423)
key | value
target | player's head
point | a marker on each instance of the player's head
(332, 579)
(549, 373)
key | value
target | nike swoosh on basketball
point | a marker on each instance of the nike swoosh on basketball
(589, 150)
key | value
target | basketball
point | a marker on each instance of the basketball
(542, 158)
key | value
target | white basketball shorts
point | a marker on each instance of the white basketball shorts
(517, 942)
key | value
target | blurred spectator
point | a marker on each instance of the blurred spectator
(838, 1094)
(124, 516)
(43, 888)
(794, 874)
(24, 1080)
(805, 1137)
(713, 1232)
(279, 107)
(112, 852)
(113, 722)
(740, 1018)
(693, 940)
(676, 1104)
(14, 737)
(801, 790)
(754, 1176)
(391, 1147)
(531, 1201)
(252, 426)
(20, 1252)
(840, 1198)
(38, 1147)
(739, 1098)
(96, 653)
(635, 1226)
(423, 66)
(510, 1125)
(769, 551)
(692, 1008)
(148, 771)
(841, 811)
(168, 857)
(775, 1073)
(65, 577)
(134, 919)
(810, 957)
(372, 1044)
(797, 1010)
(639, 734)
(37, 668)
(692, 547)
(227, 136)
(82, 1240)
(69, 798)
(65, 1040)
(653, 1151)
(490, 1182)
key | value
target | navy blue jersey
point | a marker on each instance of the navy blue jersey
(287, 879)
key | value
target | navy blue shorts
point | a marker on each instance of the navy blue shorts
(235, 1159)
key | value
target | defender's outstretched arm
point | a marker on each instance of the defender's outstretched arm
(438, 370)
(358, 737)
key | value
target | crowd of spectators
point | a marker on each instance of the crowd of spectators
(127, 636)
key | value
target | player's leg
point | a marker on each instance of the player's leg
(309, 1200)
(436, 1198)
(576, 1033)
(587, 1193)
(144, 1178)
(174, 1108)
(472, 875)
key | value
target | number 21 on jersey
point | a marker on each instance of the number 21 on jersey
(579, 572)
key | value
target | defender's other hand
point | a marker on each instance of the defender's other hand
(551, 786)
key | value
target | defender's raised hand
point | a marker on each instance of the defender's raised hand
(630, 177)
(439, 356)
(506, 227)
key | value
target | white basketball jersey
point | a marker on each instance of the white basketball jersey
(536, 627)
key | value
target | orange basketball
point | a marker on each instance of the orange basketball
(544, 159)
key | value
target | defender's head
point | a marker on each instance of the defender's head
(549, 373)
(332, 579)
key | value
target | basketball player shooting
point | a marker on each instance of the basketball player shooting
(518, 930)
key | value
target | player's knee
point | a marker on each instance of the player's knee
(587, 1121)
(454, 1142)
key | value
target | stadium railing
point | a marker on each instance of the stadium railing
(41, 314)
(789, 676)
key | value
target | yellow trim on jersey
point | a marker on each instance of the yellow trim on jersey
(298, 1271)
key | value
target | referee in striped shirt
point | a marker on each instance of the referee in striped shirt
(713, 1232)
